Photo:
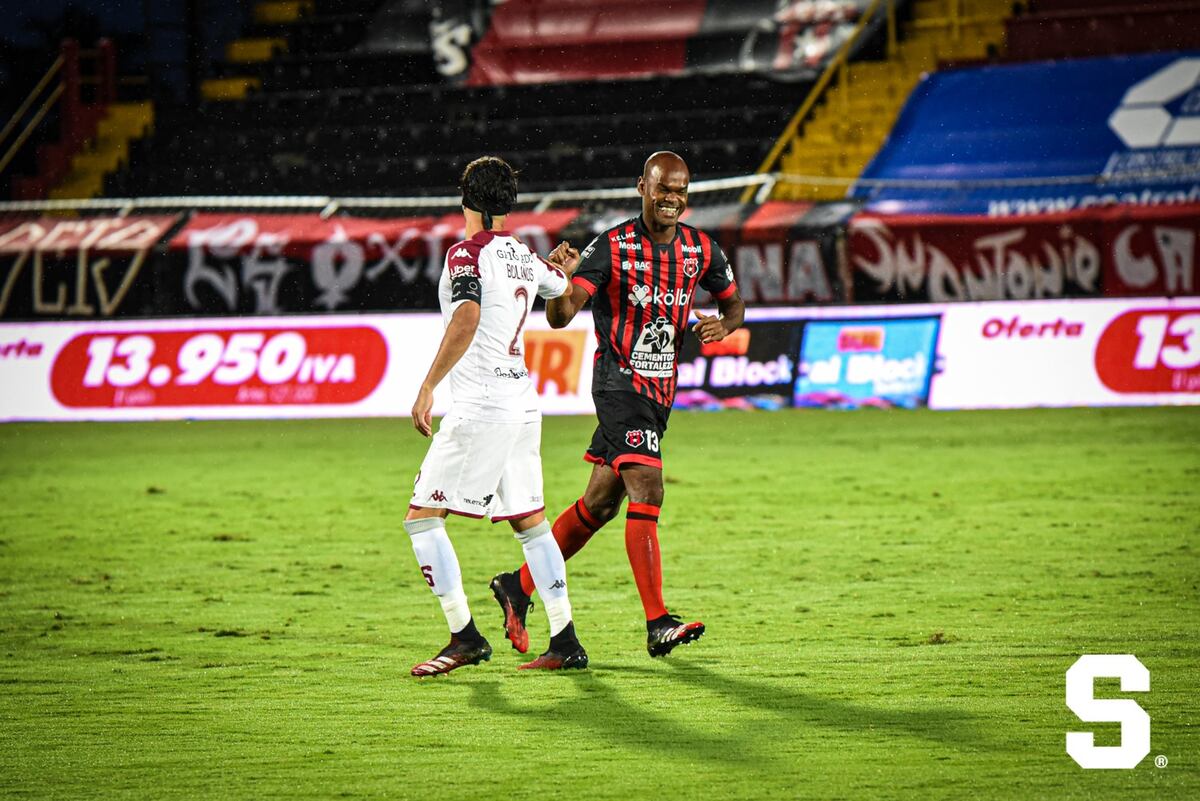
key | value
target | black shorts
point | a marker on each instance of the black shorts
(630, 431)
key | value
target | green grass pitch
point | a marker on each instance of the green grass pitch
(230, 610)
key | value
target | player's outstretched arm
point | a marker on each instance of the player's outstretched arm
(561, 311)
(715, 327)
(455, 342)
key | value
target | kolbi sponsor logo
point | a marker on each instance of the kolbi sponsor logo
(642, 295)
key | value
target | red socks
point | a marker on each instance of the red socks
(641, 544)
(572, 530)
(575, 526)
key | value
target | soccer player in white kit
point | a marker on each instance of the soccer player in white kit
(485, 459)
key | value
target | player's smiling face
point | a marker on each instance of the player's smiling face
(664, 195)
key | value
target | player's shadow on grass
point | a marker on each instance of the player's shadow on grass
(806, 710)
(601, 711)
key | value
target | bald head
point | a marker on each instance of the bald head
(663, 187)
(662, 161)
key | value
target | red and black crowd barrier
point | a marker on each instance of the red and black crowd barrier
(782, 254)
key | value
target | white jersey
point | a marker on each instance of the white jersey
(497, 271)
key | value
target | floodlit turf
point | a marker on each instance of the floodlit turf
(230, 610)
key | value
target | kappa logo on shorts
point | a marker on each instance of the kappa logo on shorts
(437, 495)
(635, 438)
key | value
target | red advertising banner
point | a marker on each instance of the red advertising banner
(1123, 251)
(1151, 351)
(219, 367)
(1153, 251)
(780, 255)
(275, 263)
(53, 268)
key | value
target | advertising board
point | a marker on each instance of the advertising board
(1101, 352)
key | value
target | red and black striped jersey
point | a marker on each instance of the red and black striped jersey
(642, 295)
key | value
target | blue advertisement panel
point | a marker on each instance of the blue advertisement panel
(883, 363)
(1092, 132)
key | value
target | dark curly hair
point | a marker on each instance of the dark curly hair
(489, 186)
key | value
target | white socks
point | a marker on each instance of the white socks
(439, 565)
(549, 573)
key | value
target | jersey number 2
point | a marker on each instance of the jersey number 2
(522, 295)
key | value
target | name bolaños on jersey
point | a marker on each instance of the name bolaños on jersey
(642, 295)
(497, 271)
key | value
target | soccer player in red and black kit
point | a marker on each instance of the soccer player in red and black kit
(641, 277)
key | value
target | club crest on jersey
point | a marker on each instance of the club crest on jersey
(635, 438)
(691, 266)
(641, 295)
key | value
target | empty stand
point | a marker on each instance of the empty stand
(1073, 29)
(363, 98)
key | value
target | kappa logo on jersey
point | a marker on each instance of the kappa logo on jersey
(691, 266)
(461, 253)
(635, 438)
(641, 296)
(437, 495)
(653, 354)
